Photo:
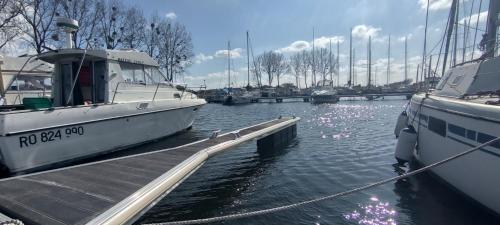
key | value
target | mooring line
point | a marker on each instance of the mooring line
(358, 189)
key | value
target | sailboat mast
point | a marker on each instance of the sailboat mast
(491, 29)
(248, 63)
(330, 61)
(406, 58)
(449, 32)
(369, 61)
(338, 63)
(455, 42)
(229, 66)
(314, 63)
(389, 60)
(424, 53)
(354, 77)
(350, 59)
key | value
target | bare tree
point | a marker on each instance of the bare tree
(9, 29)
(296, 65)
(274, 64)
(88, 14)
(257, 71)
(323, 64)
(38, 21)
(176, 48)
(151, 39)
(134, 33)
(112, 24)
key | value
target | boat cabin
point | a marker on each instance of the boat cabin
(474, 78)
(103, 76)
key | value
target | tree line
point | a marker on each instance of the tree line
(314, 68)
(103, 24)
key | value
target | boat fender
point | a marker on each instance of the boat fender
(401, 123)
(406, 145)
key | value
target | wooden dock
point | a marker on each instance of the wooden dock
(118, 191)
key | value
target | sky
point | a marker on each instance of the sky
(287, 26)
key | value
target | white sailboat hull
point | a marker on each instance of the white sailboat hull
(465, 126)
(37, 139)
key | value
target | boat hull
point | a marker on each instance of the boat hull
(236, 100)
(95, 132)
(446, 128)
(324, 99)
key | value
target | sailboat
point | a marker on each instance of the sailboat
(238, 96)
(324, 93)
(461, 113)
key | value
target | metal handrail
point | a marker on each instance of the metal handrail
(116, 90)
(156, 91)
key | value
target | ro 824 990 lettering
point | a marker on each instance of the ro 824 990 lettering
(50, 136)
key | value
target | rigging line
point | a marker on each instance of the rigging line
(354, 190)
(475, 33)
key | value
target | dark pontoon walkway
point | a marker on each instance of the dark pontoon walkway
(116, 191)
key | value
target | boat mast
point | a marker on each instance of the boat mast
(389, 60)
(406, 58)
(330, 62)
(424, 53)
(314, 63)
(354, 76)
(350, 59)
(229, 66)
(449, 32)
(455, 41)
(248, 64)
(338, 63)
(369, 61)
(490, 39)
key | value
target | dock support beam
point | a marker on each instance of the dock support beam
(278, 139)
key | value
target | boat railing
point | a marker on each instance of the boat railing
(141, 88)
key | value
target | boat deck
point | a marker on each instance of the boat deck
(119, 190)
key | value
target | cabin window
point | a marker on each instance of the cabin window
(132, 72)
(471, 135)
(460, 131)
(437, 126)
(457, 80)
(483, 138)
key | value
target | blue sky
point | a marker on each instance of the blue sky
(287, 25)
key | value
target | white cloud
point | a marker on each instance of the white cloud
(408, 37)
(435, 4)
(321, 42)
(199, 58)
(296, 46)
(235, 53)
(483, 16)
(364, 31)
(171, 15)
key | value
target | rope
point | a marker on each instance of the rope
(12, 222)
(295, 205)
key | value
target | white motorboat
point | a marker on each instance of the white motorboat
(101, 101)
(461, 113)
(324, 95)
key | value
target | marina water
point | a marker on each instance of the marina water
(338, 147)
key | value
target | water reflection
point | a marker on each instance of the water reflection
(373, 213)
(217, 186)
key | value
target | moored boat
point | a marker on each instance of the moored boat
(101, 101)
(461, 113)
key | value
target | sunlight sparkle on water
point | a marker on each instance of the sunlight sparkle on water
(373, 213)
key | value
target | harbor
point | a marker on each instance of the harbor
(121, 112)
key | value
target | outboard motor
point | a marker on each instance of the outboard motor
(406, 144)
(401, 123)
